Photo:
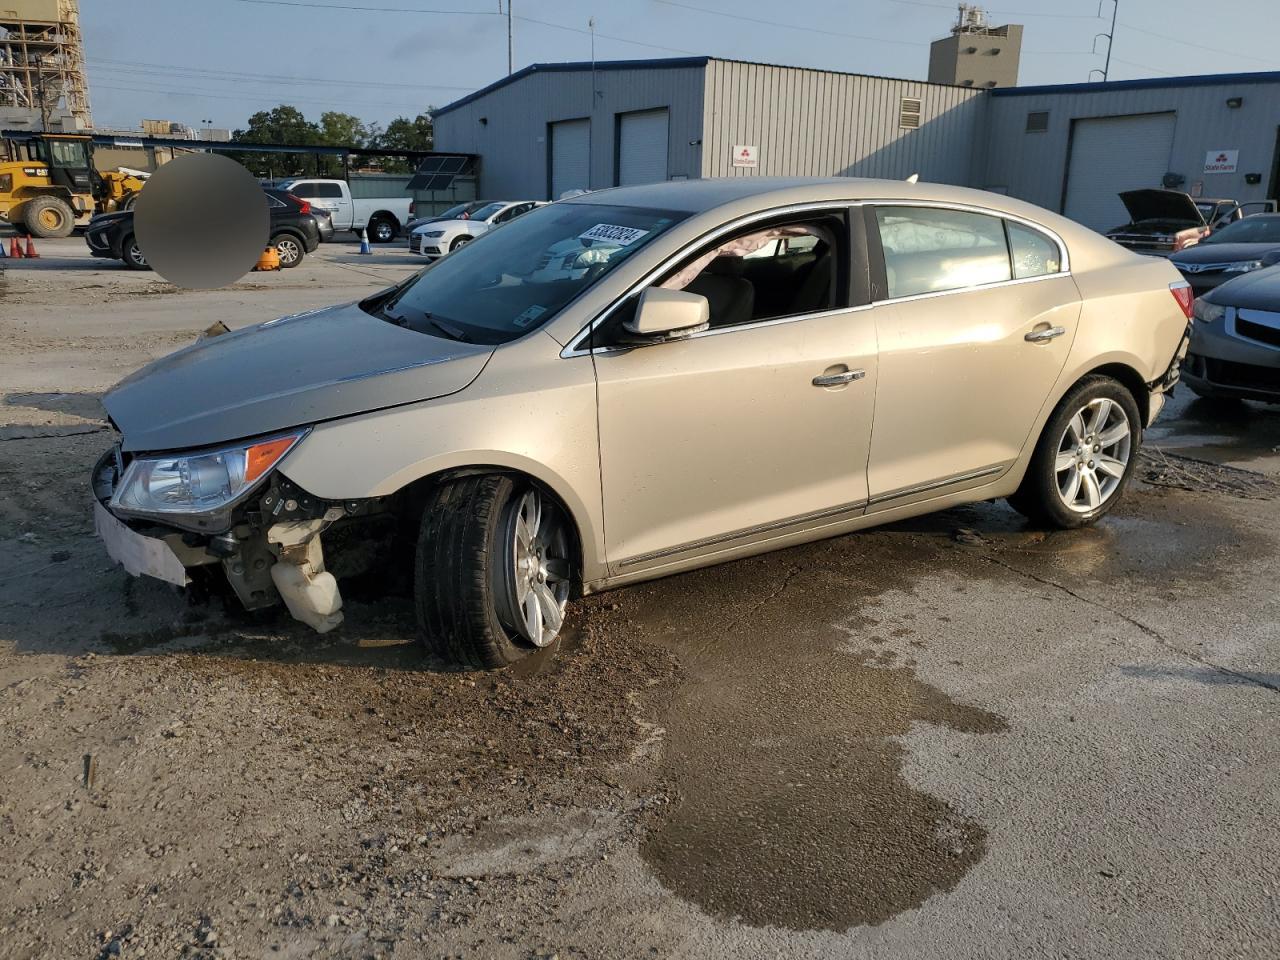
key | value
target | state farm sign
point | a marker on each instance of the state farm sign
(746, 155)
(1221, 161)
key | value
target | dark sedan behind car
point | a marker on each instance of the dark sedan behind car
(1235, 341)
(293, 232)
(1241, 247)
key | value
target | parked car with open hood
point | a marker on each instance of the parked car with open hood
(442, 237)
(1235, 347)
(699, 391)
(1163, 222)
(1240, 247)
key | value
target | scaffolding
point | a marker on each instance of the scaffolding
(42, 61)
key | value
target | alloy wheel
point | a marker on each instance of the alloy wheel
(1093, 455)
(288, 251)
(134, 253)
(533, 572)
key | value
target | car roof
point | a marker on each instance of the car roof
(697, 196)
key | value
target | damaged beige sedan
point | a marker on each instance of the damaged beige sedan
(642, 381)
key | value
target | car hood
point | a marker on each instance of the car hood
(286, 373)
(1259, 290)
(1167, 205)
(475, 226)
(104, 219)
(1224, 252)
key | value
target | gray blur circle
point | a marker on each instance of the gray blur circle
(201, 221)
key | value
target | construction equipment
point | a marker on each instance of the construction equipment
(49, 186)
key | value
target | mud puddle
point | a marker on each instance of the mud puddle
(1220, 431)
(793, 807)
(793, 810)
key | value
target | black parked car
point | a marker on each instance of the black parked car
(294, 232)
(1241, 247)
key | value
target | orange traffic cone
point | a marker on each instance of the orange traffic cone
(31, 249)
(15, 248)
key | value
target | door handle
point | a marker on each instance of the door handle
(836, 379)
(1044, 336)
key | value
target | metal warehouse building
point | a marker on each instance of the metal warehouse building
(550, 128)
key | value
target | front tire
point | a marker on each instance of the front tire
(493, 570)
(461, 241)
(131, 253)
(49, 217)
(1084, 457)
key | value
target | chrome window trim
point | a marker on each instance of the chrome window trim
(575, 346)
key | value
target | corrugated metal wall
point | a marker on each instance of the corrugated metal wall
(1032, 166)
(817, 123)
(513, 143)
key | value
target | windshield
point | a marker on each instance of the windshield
(1248, 230)
(511, 281)
(453, 212)
(487, 211)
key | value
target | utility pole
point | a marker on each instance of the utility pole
(510, 57)
(1111, 39)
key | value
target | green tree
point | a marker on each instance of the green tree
(343, 130)
(282, 124)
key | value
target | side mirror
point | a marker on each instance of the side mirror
(668, 315)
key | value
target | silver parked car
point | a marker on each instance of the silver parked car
(1235, 350)
(646, 380)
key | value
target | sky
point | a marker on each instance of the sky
(218, 61)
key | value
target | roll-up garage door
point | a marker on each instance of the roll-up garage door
(1111, 154)
(570, 156)
(642, 147)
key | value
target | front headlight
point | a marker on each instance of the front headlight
(198, 485)
(1244, 266)
(434, 234)
(1207, 312)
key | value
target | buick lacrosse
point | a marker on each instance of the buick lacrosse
(641, 381)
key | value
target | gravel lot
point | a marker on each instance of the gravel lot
(952, 737)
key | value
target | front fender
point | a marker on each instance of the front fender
(530, 411)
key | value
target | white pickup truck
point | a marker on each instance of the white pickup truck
(384, 216)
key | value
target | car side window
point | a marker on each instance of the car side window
(304, 190)
(1034, 253)
(329, 191)
(764, 273)
(512, 213)
(276, 201)
(931, 249)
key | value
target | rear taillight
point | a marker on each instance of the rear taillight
(1182, 293)
(304, 206)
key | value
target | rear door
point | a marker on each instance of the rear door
(971, 340)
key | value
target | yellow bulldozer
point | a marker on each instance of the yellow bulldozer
(49, 186)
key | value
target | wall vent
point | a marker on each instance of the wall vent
(909, 113)
(1037, 121)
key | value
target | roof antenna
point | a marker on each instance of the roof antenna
(914, 178)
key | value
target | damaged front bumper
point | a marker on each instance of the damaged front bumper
(268, 547)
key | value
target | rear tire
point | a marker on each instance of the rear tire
(483, 543)
(1084, 457)
(49, 218)
(382, 230)
(289, 249)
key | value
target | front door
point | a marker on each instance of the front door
(756, 428)
(978, 324)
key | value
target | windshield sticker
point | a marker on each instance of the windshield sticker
(530, 315)
(622, 236)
